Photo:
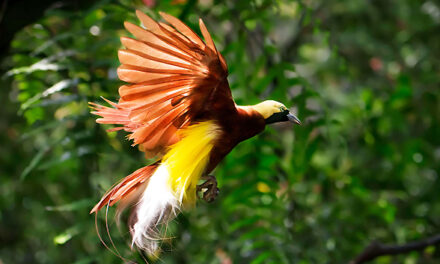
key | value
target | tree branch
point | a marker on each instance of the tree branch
(377, 249)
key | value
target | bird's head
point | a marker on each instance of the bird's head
(274, 112)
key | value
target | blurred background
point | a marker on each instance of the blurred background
(363, 76)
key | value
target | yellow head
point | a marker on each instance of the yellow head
(273, 111)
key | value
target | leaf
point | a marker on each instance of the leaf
(41, 129)
(43, 65)
(34, 162)
(256, 232)
(61, 85)
(86, 260)
(72, 206)
(62, 238)
(62, 100)
(50, 42)
(80, 151)
(262, 257)
(243, 223)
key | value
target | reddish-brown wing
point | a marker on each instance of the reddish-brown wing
(173, 77)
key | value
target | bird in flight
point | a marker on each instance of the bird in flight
(178, 108)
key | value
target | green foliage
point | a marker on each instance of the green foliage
(363, 77)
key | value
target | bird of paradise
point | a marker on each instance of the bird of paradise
(178, 107)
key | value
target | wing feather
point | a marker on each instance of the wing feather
(132, 57)
(184, 29)
(159, 53)
(134, 74)
(151, 38)
(172, 78)
(137, 94)
(207, 36)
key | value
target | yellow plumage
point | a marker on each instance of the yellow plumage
(187, 159)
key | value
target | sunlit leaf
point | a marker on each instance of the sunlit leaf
(64, 237)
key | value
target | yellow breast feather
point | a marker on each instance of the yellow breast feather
(187, 159)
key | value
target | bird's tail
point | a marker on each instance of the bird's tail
(155, 207)
(146, 189)
(160, 191)
(127, 189)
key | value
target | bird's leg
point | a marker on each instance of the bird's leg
(211, 188)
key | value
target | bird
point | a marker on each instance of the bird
(177, 107)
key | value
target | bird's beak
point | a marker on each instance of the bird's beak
(292, 118)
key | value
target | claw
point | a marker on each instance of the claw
(210, 185)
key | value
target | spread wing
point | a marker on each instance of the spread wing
(173, 76)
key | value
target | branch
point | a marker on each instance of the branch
(377, 249)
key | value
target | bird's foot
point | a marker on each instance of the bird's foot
(210, 185)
